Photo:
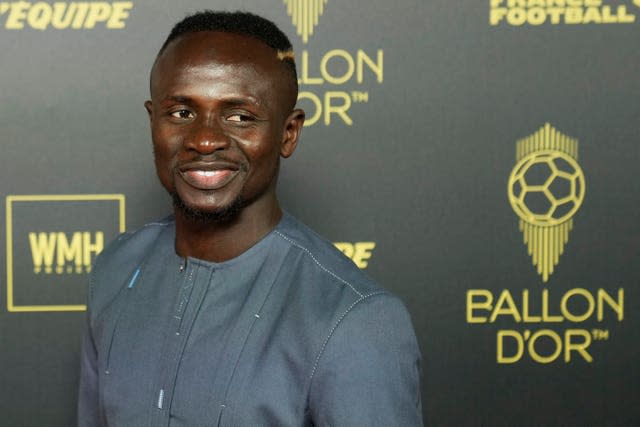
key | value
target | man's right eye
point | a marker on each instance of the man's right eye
(182, 114)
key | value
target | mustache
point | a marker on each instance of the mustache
(209, 158)
(212, 159)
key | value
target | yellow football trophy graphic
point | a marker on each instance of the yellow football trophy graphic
(546, 188)
(304, 15)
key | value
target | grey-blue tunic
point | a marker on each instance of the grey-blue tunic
(290, 333)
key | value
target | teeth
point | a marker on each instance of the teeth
(207, 173)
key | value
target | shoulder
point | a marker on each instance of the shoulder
(331, 280)
(117, 262)
(133, 243)
(326, 265)
(366, 359)
(352, 310)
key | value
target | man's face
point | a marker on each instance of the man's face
(221, 117)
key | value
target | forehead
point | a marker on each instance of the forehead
(213, 49)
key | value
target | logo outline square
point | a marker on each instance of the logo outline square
(10, 199)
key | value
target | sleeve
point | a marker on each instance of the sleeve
(88, 410)
(88, 390)
(369, 371)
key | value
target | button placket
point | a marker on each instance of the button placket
(190, 297)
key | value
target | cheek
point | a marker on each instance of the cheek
(165, 145)
(263, 152)
(264, 165)
(165, 155)
(260, 149)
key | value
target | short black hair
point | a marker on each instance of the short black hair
(238, 22)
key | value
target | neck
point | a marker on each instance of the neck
(217, 242)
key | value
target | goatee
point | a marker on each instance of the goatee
(223, 215)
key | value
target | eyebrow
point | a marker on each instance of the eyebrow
(231, 101)
(242, 101)
(180, 99)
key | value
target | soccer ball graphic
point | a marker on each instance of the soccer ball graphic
(546, 187)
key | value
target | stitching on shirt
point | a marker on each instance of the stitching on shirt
(340, 279)
(185, 295)
(338, 322)
(155, 223)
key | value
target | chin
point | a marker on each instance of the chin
(224, 214)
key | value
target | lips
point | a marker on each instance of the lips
(208, 175)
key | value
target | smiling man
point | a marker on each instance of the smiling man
(231, 312)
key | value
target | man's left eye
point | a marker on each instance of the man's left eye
(239, 118)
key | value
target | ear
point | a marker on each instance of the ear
(292, 131)
(149, 106)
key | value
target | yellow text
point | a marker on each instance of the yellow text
(338, 67)
(62, 253)
(64, 15)
(359, 252)
(543, 346)
(575, 305)
(555, 12)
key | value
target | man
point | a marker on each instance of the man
(231, 312)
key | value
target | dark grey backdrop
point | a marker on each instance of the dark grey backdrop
(422, 172)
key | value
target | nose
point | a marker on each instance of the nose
(207, 137)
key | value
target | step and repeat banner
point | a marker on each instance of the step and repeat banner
(478, 158)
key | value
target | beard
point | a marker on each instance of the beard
(220, 216)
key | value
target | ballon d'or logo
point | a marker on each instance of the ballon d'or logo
(546, 188)
(304, 15)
